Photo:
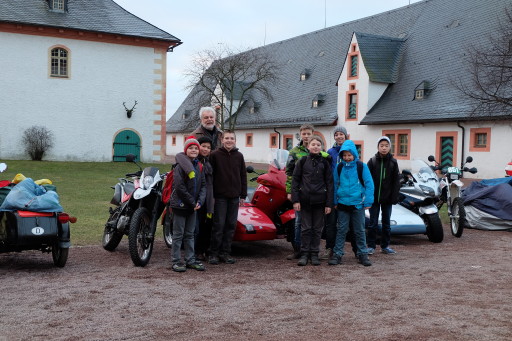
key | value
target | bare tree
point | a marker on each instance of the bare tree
(229, 79)
(37, 140)
(490, 69)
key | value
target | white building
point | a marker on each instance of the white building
(389, 74)
(73, 67)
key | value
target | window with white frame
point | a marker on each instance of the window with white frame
(59, 62)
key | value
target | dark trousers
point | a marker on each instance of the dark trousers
(203, 231)
(329, 233)
(224, 224)
(312, 223)
(374, 225)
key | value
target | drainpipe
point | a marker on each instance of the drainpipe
(279, 142)
(463, 138)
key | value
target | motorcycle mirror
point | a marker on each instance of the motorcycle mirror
(431, 158)
(473, 170)
(130, 157)
(250, 169)
(469, 159)
(3, 167)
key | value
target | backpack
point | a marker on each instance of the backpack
(169, 179)
(359, 164)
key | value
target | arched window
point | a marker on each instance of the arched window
(59, 62)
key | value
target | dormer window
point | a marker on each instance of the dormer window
(186, 114)
(304, 75)
(255, 107)
(318, 101)
(423, 90)
(57, 5)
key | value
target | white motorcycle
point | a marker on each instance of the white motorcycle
(451, 187)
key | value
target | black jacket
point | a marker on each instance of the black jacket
(386, 178)
(312, 182)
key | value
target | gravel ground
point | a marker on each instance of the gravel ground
(460, 289)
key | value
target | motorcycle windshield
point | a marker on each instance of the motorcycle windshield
(278, 158)
(423, 174)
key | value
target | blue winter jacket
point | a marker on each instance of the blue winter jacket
(348, 190)
(334, 152)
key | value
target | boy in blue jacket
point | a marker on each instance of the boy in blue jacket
(351, 198)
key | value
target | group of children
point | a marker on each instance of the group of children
(329, 191)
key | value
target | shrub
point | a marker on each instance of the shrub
(37, 140)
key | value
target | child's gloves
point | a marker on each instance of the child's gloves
(192, 175)
(209, 215)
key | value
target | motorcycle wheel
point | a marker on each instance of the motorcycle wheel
(59, 255)
(112, 237)
(167, 227)
(139, 243)
(434, 228)
(458, 217)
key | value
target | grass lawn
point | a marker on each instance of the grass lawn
(84, 189)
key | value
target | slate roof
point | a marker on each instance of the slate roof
(402, 47)
(103, 16)
(381, 56)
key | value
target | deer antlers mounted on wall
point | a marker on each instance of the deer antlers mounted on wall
(129, 112)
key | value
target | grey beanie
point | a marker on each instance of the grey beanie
(384, 138)
(340, 129)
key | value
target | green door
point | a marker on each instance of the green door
(446, 151)
(126, 142)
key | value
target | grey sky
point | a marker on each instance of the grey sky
(242, 24)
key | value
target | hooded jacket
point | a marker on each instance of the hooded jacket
(334, 152)
(312, 182)
(349, 191)
(386, 177)
(186, 191)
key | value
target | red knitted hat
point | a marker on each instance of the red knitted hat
(191, 140)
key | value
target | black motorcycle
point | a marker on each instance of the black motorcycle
(138, 201)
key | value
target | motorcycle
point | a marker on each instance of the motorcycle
(137, 198)
(267, 214)
(419, 192)
(31, 230)
(451, 187)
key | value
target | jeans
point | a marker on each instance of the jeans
(183, 232)
(374, 225)
(224, 224)
(296, 239)
(312, 223)
(345, 218)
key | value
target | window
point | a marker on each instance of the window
(351, 106)
(480, 140)
(273, 140)
(174, 140)
(186, 114)
(304, 75)
(318, 100)
(360, 149)
(419, 94)
(248, 140)
(59, 62)
(57, 5)
(400, 143)
(288, 142)
(255, 108)
(353, 62)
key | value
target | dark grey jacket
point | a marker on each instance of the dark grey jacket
(186, 192)
(312, 181)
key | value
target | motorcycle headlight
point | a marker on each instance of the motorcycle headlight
(147, 181)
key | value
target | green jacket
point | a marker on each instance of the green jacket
(296, 153)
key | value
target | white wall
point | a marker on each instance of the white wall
(85, 111)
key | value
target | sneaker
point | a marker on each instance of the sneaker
(196, 266)
(179, 267)
(314, 259)
(303, 259)
(334, 260)
(326, 255)
(227, 259)
(388, 251)
(363, 259)
(213, 260)
(371, 250)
